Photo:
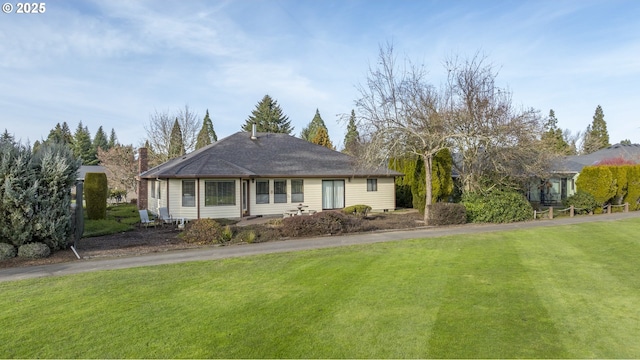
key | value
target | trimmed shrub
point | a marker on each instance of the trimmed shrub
(7, 251)
(583, 202)
(203, 231)
(357, 210)
(96, 192)
(633, 187)
(619, 175)
(497, 206)
(447, 214)
(34, 250)
(599, 182)
(322, 223)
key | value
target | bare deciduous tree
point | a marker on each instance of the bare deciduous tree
(121, 166)
(403, 115)
(494, 141)
(159, 131)
(400, 115)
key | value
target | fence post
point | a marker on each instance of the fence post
(571, 211)
(626, 207)
(608, 208)
(551, 212)
(535, 215)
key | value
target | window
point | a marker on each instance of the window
(297, 191)
(218, 193)
(153, 189)
(188, 193)
(262, 191)
(372, 184)
(159, 190)
(279, 191)
(332, 194)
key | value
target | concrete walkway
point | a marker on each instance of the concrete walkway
(214, 253)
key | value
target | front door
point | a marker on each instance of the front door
(245, 197)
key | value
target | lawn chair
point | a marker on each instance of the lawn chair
(164, 216)
(144, 219)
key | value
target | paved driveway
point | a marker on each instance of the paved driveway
(214, 253)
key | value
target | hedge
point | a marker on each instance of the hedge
(497, 206)
(611, 184)
(96, 192)
(447, 214)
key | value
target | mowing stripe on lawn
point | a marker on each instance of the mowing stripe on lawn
(568, 291)
(587, 284)
(504, 318)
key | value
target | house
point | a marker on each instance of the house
(84, 169)
(257, 174)
(566, 170)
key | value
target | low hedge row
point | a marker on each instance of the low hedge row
(447, 214)
(497, 206)
(34, 250)
(326, 222)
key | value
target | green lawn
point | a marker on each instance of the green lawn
(557, 292)
(121, 217)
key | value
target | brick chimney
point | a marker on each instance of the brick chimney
(143, 165)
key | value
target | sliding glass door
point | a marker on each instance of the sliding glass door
(332, 194)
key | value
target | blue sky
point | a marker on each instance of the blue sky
(113, 63)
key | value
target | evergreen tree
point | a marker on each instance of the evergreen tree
(599, 127)
(596, 136)
(352, 137)
(309, 132)
(82, 145)
(36, 145)
(207, 134)
(268, 117)
(176, 146)
(57, 172)
(406, 165)
(553, 136)
(6, 137)
(441, 180)
(60, 134)
(18, 194)
(55, 135)
(113, 139)
(322, 138)
(100, 140)
(66, 133)
(625, 142)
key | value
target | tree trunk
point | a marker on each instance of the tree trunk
(428, 164)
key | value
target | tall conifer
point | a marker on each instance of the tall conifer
(268, 117)
(176, 145)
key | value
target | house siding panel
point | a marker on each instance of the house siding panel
(355, 193)
(154, 203)
(175, 202)
(383, 199)
(311, 198)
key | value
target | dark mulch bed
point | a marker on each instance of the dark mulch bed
(153, 240)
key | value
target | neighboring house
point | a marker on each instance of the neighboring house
(567, 169)
(257, 174)
(84, 169)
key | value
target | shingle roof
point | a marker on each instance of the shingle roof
(575, 163)
(270, 155)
